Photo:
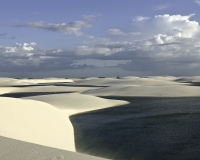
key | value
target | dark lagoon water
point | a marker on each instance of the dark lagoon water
(145, 129)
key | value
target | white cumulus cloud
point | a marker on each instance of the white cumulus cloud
(171, 25)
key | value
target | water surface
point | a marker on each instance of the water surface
(145, 129)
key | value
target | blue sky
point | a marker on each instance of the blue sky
(79, 38)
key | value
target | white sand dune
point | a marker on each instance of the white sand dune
(35, 122)
(47, 123)
(4, 90)
(11, 149)
(73, 103)
(44, 89)
(147, 91)
(165, 78)
(47, 80)
(127, 81)
(128, 77)
(7, 82)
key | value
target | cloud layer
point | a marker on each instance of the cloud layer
(170, 45)
(161, 7)
(63, 28)
(118, 32)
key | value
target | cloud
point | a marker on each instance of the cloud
(63, 28)
(88, 17)
(140, 18)
(197, 2)
(2, 34)
(161, 54)
(118, 32)
(172, 25)
(25, 57)
(170, 45)
(161, 7)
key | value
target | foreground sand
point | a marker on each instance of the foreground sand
(11, 149)
(44, 119)
(35, 122)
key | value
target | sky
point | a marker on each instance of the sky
(96, 38)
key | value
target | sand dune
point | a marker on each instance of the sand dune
(47, 123)
(165, 78)
(47, 80)
(73, 103)
(4, 90)
(44, 89)
(7, 82)
(147, 91)
(35, 122)
(128, 81)
(11, 149)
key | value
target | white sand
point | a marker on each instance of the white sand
(35, 122)
(47, 80)
(44, 89)
(73, 103)
(149, 91)
(47, 124)
(7, 82)
(11, 149)
(4, 90)
(128, 81)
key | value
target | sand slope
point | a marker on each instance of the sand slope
(73, 103)
(11, 149)
(47, 123)
(36, 122)
(39, 89)
(147, 91)
(7, 82)
(157, 81)
(47, 80)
